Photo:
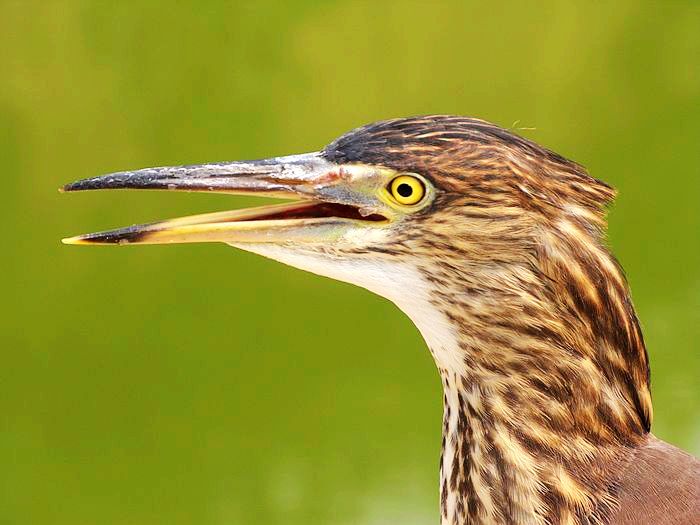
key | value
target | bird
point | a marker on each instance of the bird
(495, 247)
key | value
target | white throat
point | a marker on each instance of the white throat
(401, 283)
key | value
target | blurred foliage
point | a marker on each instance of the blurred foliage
(198, 384)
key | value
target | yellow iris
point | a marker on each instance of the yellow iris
(407, 190)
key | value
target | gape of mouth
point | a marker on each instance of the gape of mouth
(303, 211)
(314, 210)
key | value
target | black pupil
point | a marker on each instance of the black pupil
(405, 190)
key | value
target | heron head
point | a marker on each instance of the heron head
(492, 244)
(385, 197)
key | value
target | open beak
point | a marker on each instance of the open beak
(328, 202)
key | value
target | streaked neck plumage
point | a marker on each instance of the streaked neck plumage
(545, 382)
(543, 367)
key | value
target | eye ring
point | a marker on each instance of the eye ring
(407, 190)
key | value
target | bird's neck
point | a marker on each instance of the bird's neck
(545, 388)
(504, 461)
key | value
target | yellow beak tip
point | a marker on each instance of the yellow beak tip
(73, 240)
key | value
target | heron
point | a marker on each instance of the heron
(494, 247)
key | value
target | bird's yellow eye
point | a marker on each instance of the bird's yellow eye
(407, 190)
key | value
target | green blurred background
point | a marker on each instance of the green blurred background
(201, 385)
